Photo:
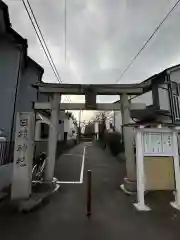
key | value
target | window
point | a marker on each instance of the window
(44, 131)
(176, 100)
(163, 99)
(175, 88)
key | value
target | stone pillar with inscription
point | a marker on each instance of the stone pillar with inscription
(23, 156)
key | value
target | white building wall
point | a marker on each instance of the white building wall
(61, 129)
(69, 127)
(109, 119)
(118, 121)
(41, 119)
(70, 132)
(66, 125)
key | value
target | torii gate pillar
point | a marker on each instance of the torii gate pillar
(53, 135)
(130, 179)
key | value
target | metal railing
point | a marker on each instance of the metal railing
(6, 151)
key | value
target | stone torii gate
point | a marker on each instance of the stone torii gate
(55, 91)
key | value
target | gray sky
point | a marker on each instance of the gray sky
(102, 38)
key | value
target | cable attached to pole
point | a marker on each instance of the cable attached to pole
(65, 30)
(42, 41)
(148, 40)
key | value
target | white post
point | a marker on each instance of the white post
(61, 126)
(96, 129)
(52, 141)
(140, 205)
(107, 124)
(176, 203)
(97, 136)
(128, 138)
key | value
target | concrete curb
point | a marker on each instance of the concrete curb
(3, 196)
(36, 200)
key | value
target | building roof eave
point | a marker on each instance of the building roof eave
(4, 7)
(37, 66)
(17, 38)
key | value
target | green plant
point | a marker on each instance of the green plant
(114, 141)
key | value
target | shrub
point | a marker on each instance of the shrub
(114, 141)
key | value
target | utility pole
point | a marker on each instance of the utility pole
(79, 132)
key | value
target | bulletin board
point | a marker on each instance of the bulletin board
(158, 160)
(157, 163)
(157, 143)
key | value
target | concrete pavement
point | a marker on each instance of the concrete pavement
(113, 217)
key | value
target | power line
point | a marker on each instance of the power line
(44, 46)
(65, 30)
(42, 41)
(147, 41)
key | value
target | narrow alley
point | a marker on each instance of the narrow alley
(113, 215)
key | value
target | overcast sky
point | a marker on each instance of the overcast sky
(102, 38)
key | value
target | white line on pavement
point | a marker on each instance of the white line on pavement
(73, 182)
(82, 167)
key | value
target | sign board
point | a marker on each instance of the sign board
(23, 156)
(96, 127)
(155, 142)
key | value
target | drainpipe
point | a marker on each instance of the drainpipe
(15, 104)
